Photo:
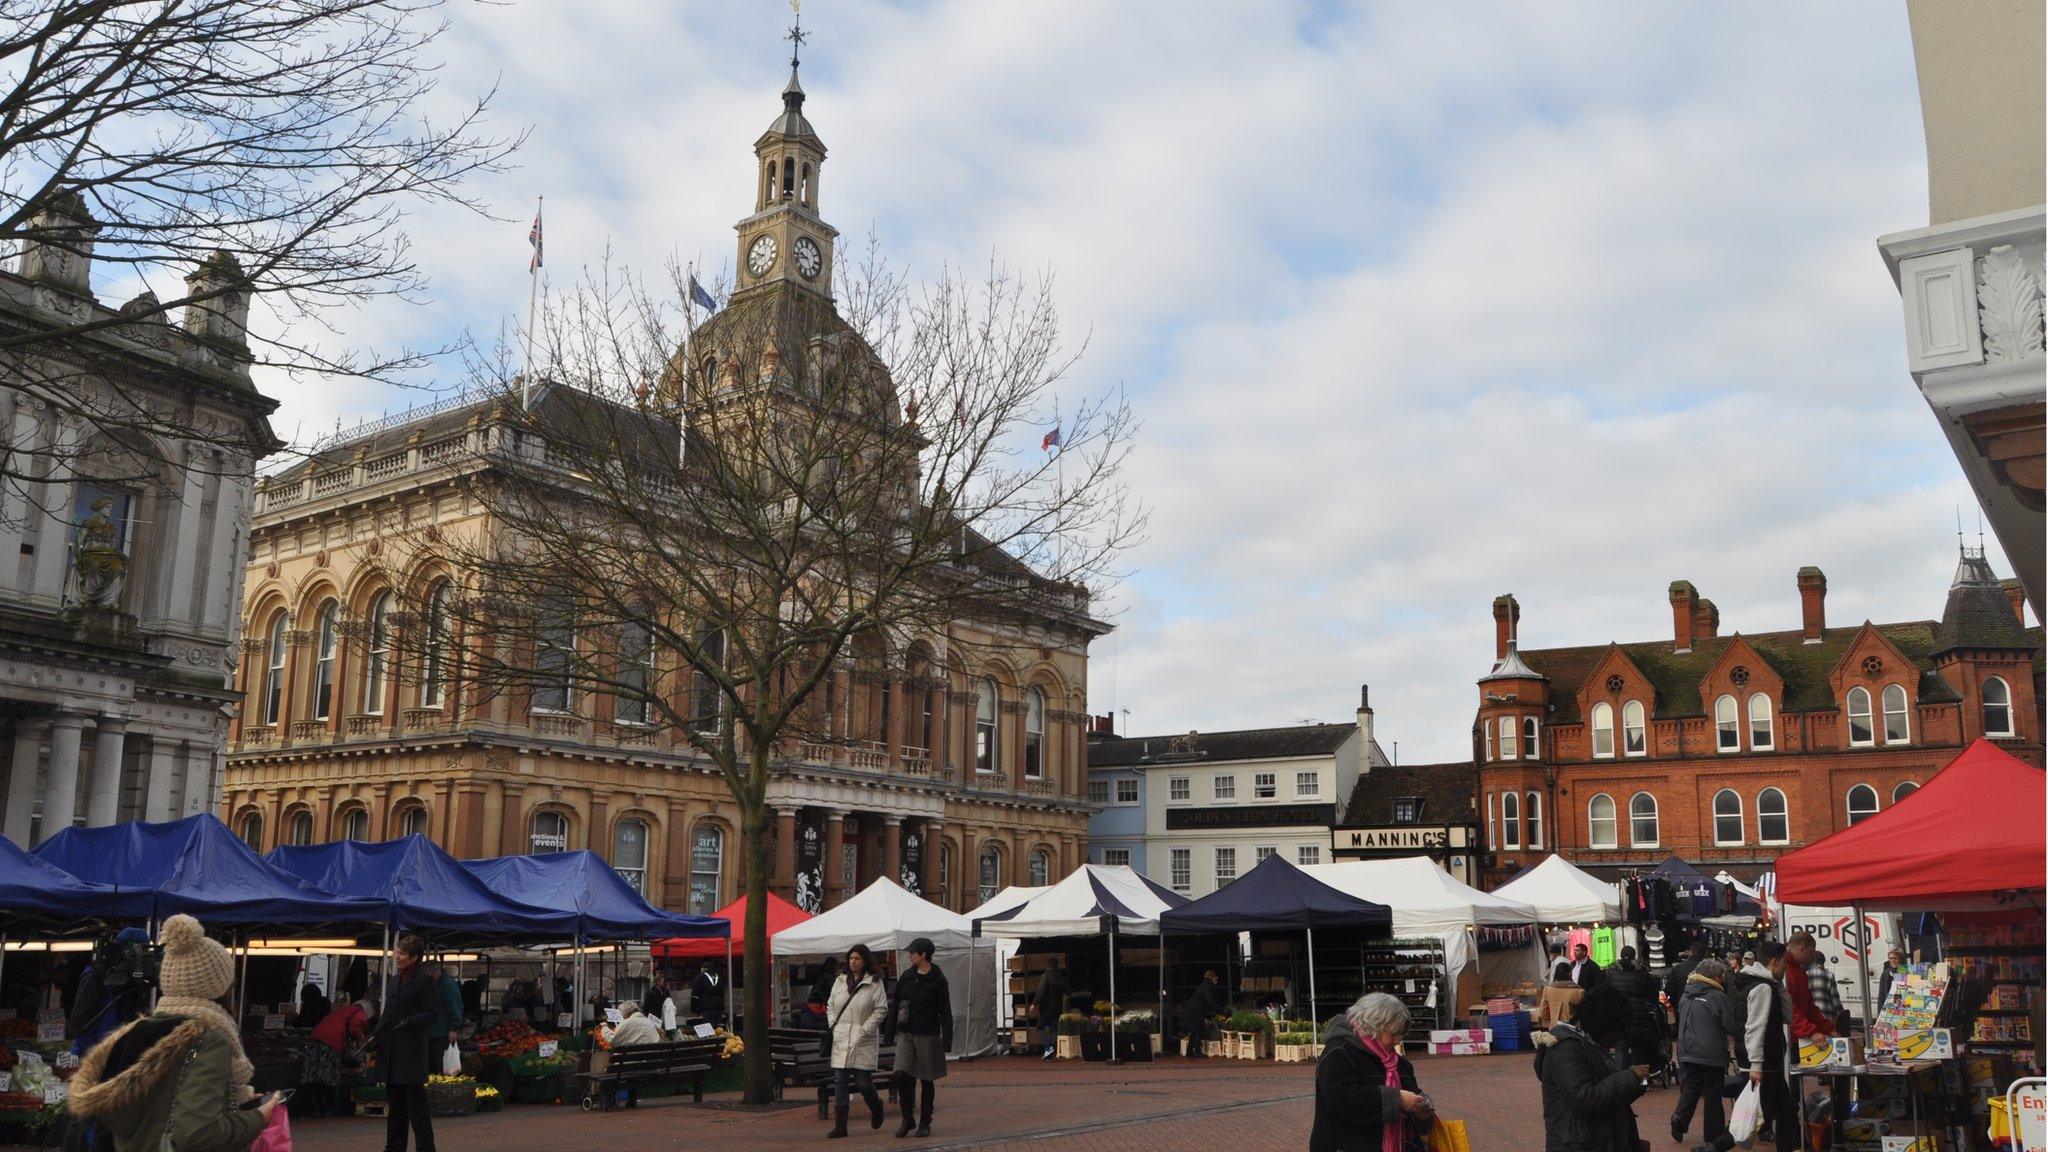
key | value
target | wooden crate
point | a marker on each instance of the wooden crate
(1248, 1045)
(1067, 1048)
(1297, 1053)
(377, 1109)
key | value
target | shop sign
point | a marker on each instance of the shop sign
(1250, 816)
(548, 1048)
(810, 869)
(50, 1026)
(913, 860)
(1399, 839)
(2026, 1105)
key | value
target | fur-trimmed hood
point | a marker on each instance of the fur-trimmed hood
(165, 1042)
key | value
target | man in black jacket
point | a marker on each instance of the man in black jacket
(1586, 1093)
(1585, 970)
(1674, 980)
(1053, 990)
(707, 996)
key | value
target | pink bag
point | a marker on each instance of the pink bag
(276, 1135)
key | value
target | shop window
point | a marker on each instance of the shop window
(1635, 736)
(1997, 699)
(991, 873)
(1532, 820)
(1603, 730)
(1642, 821)
(548, 832)
(945, 875)
(629, 853)
(707, 867)
(1510, 821)
(1727, 817)
(1898, 727)
(1773, 820)
(1761, 736)
(1862, 803)
(1508, 748)
(985, 729)
(1600, 829)
(1727, 725)
(377, 661)
(1860, 728)
(1041, 868)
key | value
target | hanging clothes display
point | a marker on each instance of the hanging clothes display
(1603, 947)
(1579, 936)
(1702, 901)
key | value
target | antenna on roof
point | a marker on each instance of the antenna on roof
(1959, 529)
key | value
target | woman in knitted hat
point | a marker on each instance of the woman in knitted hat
(177, 1077)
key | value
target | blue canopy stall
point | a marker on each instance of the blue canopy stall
(40, 895)
(424, 888)
(1276, 896)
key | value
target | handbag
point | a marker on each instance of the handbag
(1448, 1136)
(825, 1044)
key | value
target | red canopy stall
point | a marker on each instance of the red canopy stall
(781, 914)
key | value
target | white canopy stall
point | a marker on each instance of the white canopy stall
(1428, 901)
(1563, 893)
(886, 917)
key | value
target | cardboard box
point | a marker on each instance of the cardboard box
(1460, 1048)
(1814, 1053)
(1461, 1036)
(1910, 1143)
(1924, 1044)
(1845, 1051)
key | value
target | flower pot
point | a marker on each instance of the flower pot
(1095, 1046)
(1135, 1047)
(1067, 1048)
(1213, 1048)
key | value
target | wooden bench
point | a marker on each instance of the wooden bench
(672, 1063)
(799, 1062)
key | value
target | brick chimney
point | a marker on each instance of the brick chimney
(1706, 621)
(1105, 725)
(1813, 605)
(1507, 620)
(2017, 593)
(1684, 614)
(1365, 726)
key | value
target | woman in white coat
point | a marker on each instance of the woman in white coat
(854, 1015)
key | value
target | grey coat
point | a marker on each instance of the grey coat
(1705, 1019)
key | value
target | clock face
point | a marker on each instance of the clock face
(761, 257)
(808, 259)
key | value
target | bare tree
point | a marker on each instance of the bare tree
(691, 542)
(267, 148)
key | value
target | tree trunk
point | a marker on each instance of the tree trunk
(760, 989)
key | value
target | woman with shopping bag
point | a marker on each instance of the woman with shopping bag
(1586, 1091)
(1367, 1099)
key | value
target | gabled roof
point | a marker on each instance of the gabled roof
(1219, 747)
(1447, 792)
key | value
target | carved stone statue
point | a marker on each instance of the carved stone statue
(101, 563)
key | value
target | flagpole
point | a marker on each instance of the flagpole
(532, 294)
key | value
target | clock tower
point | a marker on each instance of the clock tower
(785, 242)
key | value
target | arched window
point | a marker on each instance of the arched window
(1510, 821)
(273, 676)
(549, 832)
(326, 634)
(1486, 730)
(636, 674)
(1860, 730)
(707, 868)
(1600, 830)
(985, 731)
(377, 662)
(413, 822)
(629, 852)
(252, 830)
(1034, 733)
(1862, 803)
(1773, 823)
(1761, 737)
(1997, 708)
(355, 825)
(554, 657)
(1642, 820)
(1532, 816)
(299, 832)
(991, 873)
(434, 665)
(1727, 817)
(1531, 744)
(1041, 868)
(1507, 738)
(1727, 725)
(1603, 730)
(1898, 727)
(1634, 737)
(1905, 789)
(707, 697)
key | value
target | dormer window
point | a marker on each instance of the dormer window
(1603, 730)
(1407, 809)
(1634, 734)
(1727, 725)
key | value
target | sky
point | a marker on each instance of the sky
(1418, 303)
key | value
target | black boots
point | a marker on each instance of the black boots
(838, 1131)
(930, 1089)
(875, 1109)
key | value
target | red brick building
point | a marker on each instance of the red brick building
(1728, 750)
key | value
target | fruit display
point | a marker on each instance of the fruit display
(18, 1028)
(512, 1038)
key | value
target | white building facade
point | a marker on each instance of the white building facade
(130, 449)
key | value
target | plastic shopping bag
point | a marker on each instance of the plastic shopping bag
(276, 1135)
(1449, 1136)
(451, 1062)
(1747, 1115)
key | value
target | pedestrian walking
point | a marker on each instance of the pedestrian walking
(857, 1007)
(920, 1023)
(447, 1025)
(1644, 1040)
(176, 1078)
(1705, 1025)
(1053, 990)
(1367, 1098)
(1762, 1007)
(411, 1004)
(1586, 1091)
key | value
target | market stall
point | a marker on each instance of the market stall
(1563, 893)
(1011, 1002)
(1276, 897)
(425, 890)
(1097, 900)
(886, 917)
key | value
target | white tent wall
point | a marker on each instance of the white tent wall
(1427, 901)
(1510, 966)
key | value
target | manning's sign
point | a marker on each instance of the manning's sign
(1399, 839)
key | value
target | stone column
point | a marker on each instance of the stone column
(782, 879)
(899, 721)
(60, 798)
(21, 781)
(892, 848)
(512, 825)
(835, 858)
(928, 867)
(103, 803)
(161, 784)
(969, 892)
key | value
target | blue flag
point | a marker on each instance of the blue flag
(700, 297)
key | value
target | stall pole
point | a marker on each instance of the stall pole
(1313, 1013)
(728, 983)
(1161, 1017)
(1112, 992)
(1863, 967)
(3, 962)
(242, 985)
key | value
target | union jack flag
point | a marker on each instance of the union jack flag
(533, 238)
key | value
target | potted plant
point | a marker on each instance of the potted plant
(1212, 1036)
(1296, 1042)
(1137, 1035)
(1248, 1036)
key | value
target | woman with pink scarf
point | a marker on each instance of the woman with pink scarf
(1366, 1096)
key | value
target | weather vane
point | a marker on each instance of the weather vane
(796, 35)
